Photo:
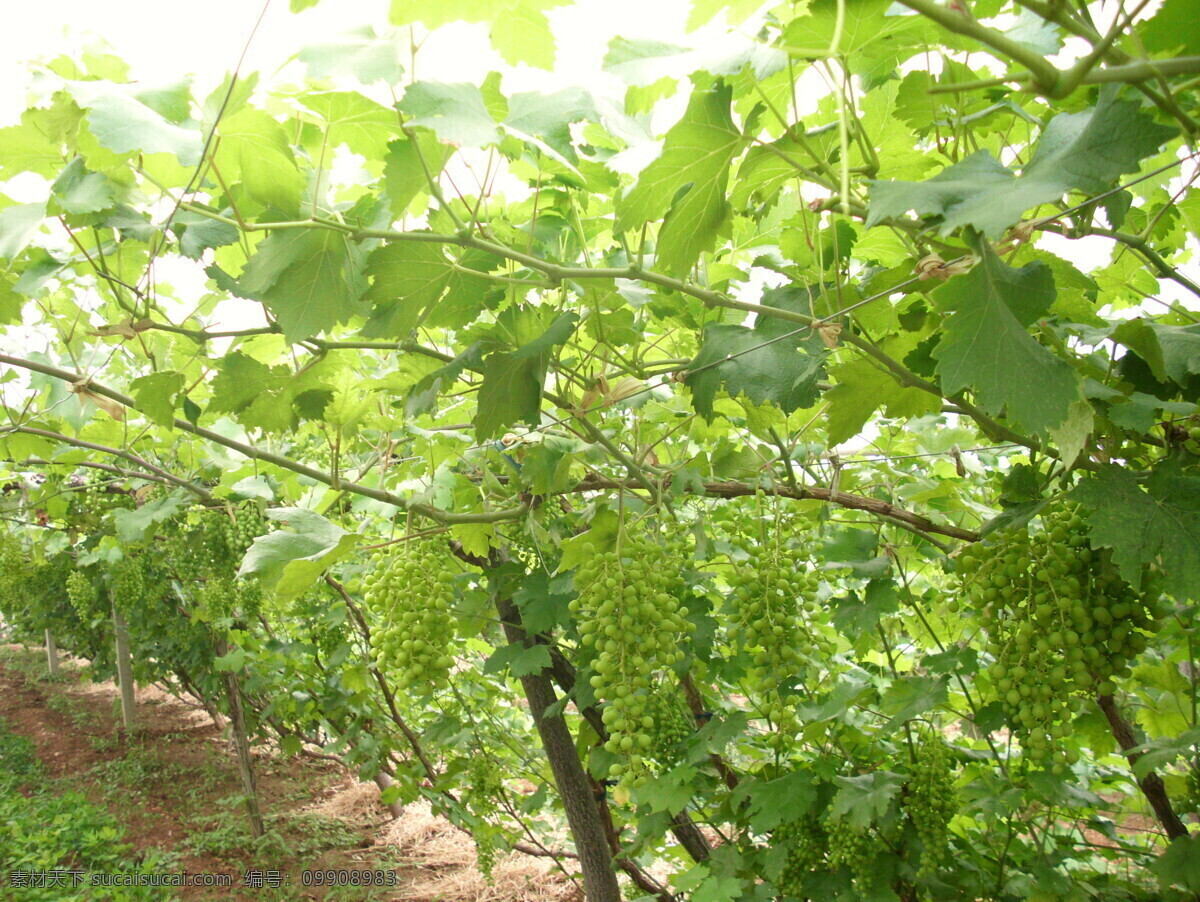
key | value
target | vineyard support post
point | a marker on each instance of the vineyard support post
(124, 665)
(237, 721)
(51, 654)
(583, 816)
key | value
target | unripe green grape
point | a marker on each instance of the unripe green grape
(628, 608)
(411, 593)
(1067, 629)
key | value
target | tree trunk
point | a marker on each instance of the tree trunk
(51, 654)
(124, 667)
(383, 780)
(583, 817)
(241, 739)
(1151, 785)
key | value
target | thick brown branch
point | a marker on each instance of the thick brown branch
(1151, 784)
(595, 482)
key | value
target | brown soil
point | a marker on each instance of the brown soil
(165, 782)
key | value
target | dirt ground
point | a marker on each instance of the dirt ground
(170, 782)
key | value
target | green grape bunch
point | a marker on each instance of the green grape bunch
(851, 847)
(482, 799)
(411, 593)
(774, 608)
(1062, 625)
(673, 724)
(130, 587)
(806, 845)
(82, 595)
(632, 619)
(246, 524)
(929, 799)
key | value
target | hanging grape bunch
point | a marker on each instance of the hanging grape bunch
(246, 525)
(486, 788)
(806, 843)
(673, 723)
(929, 799)
(12, 563)
(82, 595)
(630, 617)
(773, 602)
(411, 593)
(1061, 623)
(129, 584)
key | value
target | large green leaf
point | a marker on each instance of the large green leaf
(18, 224)
(256, 147)
(456, 112)
(550, 116)
(409, 164)
(78, 191)
(290, 560)
(513, 381)
(124, 124)
(1175, 27)
(1155, 522)
(687, 183)
(1087, 151)
(864, 387)
(765, 363)
(410, 277)
(310, 279)
(27, 148)
(354, 120)
(986, 348)
(360, 53)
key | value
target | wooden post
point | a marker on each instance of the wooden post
(124, 666)
(51, 654)
(241, 740)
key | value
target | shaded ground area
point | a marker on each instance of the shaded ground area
(173, 786)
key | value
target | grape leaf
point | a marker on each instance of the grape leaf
(783, 372)
(291, 559)
(154, 395)
(1179, 865)
(520, 659)
(18, 224)
(687, 183)
(862, 388)
(124, 124)
(862, 799)
(1087, 150)
(354, 120)
(132, 525)
(909, 696)
(197, 232)
(985, 346)
(550, 116)
(361, 53)
(409, 278)
(310, 279)
(736, 11)
(1175, 27)
(26, 148)
(404, 167)
(522, 34)
(456, 112)
(256, 146)
(78, 191)
(513, 381)
(1156, 522)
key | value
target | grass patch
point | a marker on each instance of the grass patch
(286, 836)
(44, 831)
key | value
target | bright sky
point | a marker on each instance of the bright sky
(165, 39)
